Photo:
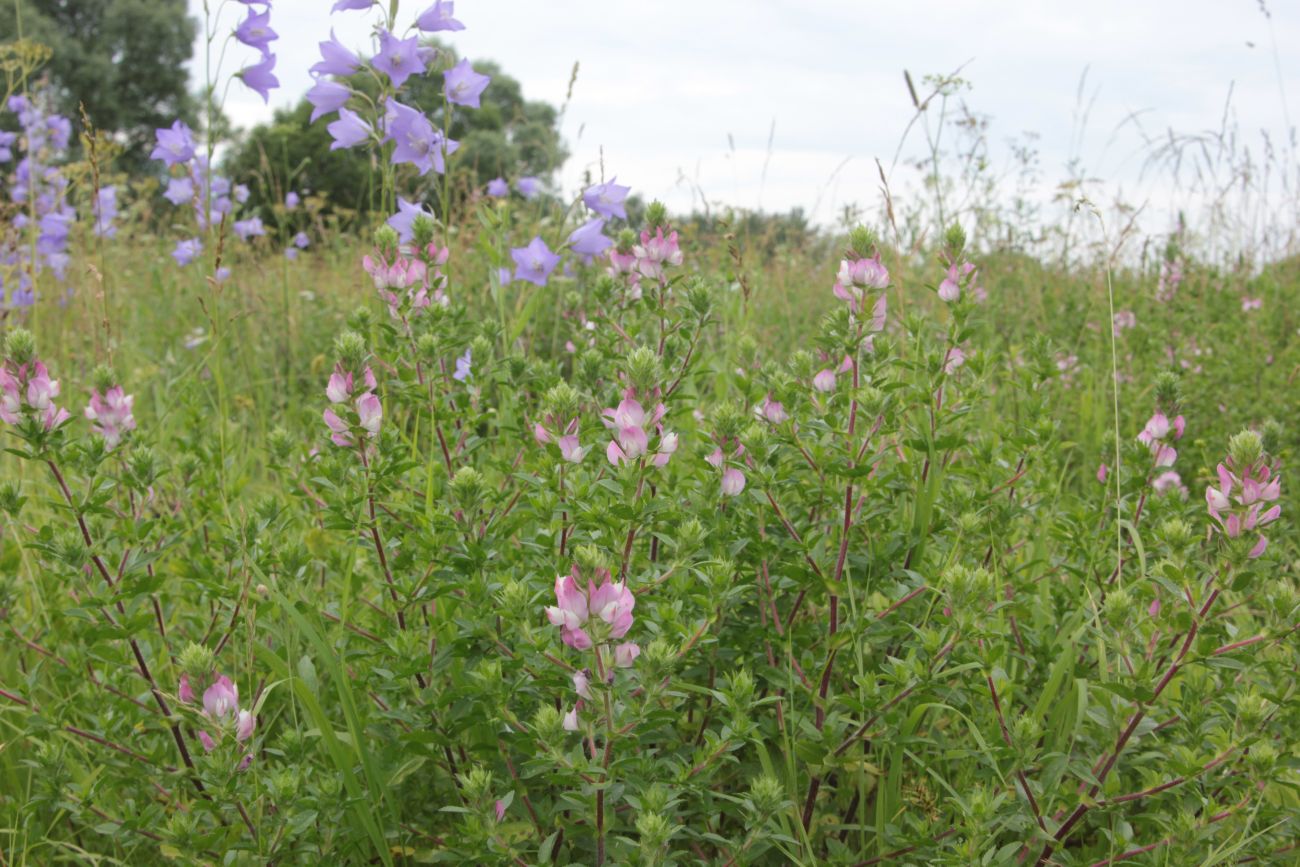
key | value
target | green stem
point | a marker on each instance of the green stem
(608, 755)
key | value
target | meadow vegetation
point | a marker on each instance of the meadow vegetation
(543, 527)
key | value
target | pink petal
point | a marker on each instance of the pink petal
(733, 481)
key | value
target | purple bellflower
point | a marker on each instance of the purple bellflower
(438, 17)
(463, 85)
(535, 262)
(349, 130)
(336, 59)
(327, 97)
(259, 77)
(255, 31)
(607, 199)
(399, 59)
(175, 145)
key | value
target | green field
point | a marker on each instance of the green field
(743, 542)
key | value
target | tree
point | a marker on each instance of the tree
(292, 154)
(507, 136)
(124, 60)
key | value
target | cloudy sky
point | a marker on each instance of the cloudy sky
(682, 98)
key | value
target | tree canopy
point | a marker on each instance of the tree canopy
(124, 60)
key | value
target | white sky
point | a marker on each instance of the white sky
(663, 85)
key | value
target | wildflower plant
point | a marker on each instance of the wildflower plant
(36, 239)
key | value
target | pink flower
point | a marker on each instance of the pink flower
(857, 275)
(653, 253)
(244, 726)
(339, 389)
(221, 700)
(411, 276)
(206, 739)
(436, 256)
(954, 358)
(629, 421)
(1217, 502)
(570, 450)
(625, 654)
(111, 414)
(1157, 429)
(667, 447)
(733, 481)
(570, 610)
(185, 692)
(54, 416)
(1253, 491)
(571, 721)
(371, 412)
(567, 442)
(824, 381)
(623, 263)
(950, 287)
(614, 454)
(569, 613)
(400, 273)
(1169, 481)
(629, 413)
(1124, 319)
(582, 685)
(1153, 610)
(1067, 365)
(11, 402)
(340, 431)
(1102, 472)
(41, 390)
(1155, 436)
(1254, 518)
(500, 804)
(878, 313)
(1171, 275)
(1248, 304)
(608, 606)
(629, 443)
(33, 382)
(30, 381)
(613, 603)
(771, 410)
(1237, 505)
